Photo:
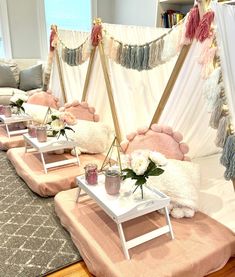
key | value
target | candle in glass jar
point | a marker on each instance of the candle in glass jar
(7, 111)
(41, 133)
(2, 109)
(32, 130)
(91, 174)
(112, 181)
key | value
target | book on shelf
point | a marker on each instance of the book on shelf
(171, 18)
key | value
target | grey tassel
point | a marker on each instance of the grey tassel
(222, 131)
(216, 114)
(128, 57)
(133, 57)
(123, 55)
(228, 157)
(152, 55)
(140, 57)
(65, 54)
(146, 57)
(156, 49)
(77, 56)
(119, 53)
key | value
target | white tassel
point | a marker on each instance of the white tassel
(171, 42)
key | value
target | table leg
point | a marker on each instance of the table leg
(168, 222)
(43, 162)
(76, 153)
(79, 192)
(8, 133)
(123, 241)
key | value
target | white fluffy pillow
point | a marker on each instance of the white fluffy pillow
(181, 182)
(92, 137)
(38, 112)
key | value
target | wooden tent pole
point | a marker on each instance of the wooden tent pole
(109, 90)
(88, 74)
(60, 76)
(171, 82)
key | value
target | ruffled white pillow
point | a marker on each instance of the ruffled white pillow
(38, 112)
(92, 137)
(181, 182)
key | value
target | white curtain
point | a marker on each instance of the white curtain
(225, 23)
(74, 76)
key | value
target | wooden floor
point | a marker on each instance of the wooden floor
(80, 270)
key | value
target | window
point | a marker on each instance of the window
(68, 14)
(5, 41)
(1, 44)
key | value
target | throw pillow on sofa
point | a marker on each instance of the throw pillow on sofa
(7, 78)
(31, 78)
(13, 67)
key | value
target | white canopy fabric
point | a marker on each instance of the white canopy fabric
(137, 94)
(225, 23)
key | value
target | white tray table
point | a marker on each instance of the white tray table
(126, 206)
(14, 119)
(51, 144)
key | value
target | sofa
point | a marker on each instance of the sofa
(19, 76)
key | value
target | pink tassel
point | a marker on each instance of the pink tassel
(192, 22)
(96, 34)
(203, 30)
(206, 45)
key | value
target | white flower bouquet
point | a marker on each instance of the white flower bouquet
(59, 122)
(141, 164)
(17, 102)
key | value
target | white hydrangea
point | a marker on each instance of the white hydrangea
(139, 164)
(126, 161)
(16, 97)
(57, 125)
(158, 158)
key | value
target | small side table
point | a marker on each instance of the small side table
(123, 208)
(6, 121)
(51, 144)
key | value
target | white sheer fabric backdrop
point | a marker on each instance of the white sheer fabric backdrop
(225, 22)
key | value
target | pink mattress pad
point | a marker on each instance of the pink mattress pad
(7, 143)
(29, 167)
(201, 244)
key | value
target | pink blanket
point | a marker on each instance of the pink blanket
(29, 167)
(201, 244)
(13, 141)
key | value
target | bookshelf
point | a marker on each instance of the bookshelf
(181, 6)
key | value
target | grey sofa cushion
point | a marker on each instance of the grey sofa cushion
(7, 78)
(31, 78)
(14, 68)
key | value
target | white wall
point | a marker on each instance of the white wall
(23, 27)
(105, 10)
(135, 12)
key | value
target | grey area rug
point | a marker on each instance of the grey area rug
(32, 241)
